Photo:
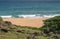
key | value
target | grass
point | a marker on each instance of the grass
(16, 35)
(28, 31)
(10, 31)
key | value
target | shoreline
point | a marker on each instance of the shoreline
(30, 16)
(29, 22)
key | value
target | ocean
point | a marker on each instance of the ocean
(29, 9)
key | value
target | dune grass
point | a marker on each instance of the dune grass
(17, 35)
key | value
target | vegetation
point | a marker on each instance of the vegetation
(51, 30)
(52, 27)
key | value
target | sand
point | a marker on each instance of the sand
(30, 22)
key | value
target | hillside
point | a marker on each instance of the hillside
(10, 31)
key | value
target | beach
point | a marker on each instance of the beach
(29, 14)
(29, 22)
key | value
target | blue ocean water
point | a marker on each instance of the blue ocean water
(29, 8)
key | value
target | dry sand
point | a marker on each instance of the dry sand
(30, 22)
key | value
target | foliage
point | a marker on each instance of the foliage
(11, 31)
(7, 22)
(51, 30)
(51, 25)
(1, 19)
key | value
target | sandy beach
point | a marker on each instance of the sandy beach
(30, 22)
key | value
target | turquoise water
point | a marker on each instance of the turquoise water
(29, 8)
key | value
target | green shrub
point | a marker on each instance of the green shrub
(7, 22)
(1, 19)
(4, 30)
(51, 25)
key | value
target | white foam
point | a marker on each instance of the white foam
(50, 16)
(27, 16)
(38, 16)
(31, 16)
(6, 16)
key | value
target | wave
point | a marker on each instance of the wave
(30, 16)
(6, 16)
(50, 16)
(38, 16)
(26, 16)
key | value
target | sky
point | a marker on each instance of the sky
(29, 0)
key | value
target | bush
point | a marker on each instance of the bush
(51, 25)
(4, 30)
(7, 22)
(1, 19)
(36, 33)
(21, 31)
(55, 37)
